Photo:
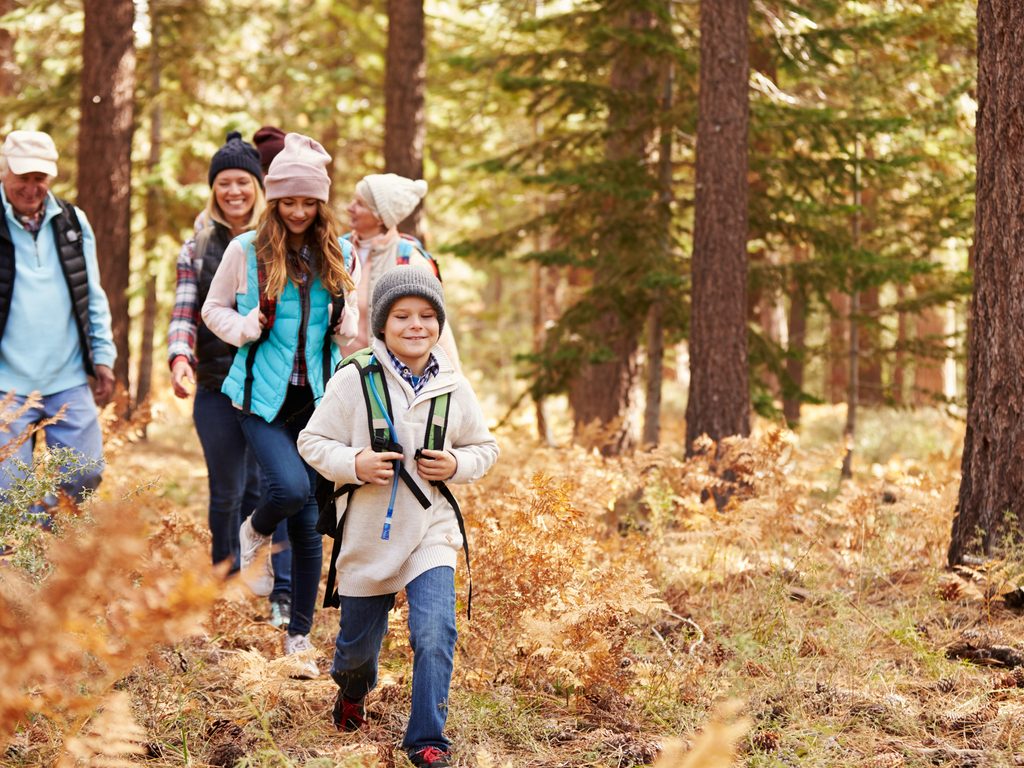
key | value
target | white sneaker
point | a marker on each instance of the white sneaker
(258, 576)
(304, 669)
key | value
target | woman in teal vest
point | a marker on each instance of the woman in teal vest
(284, 296)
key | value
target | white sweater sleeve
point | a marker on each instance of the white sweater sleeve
(219, 309)
(326, 442)
(474, 447)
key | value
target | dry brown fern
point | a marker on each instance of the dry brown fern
(109, 601)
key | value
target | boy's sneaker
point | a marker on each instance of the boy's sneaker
(430, 757)
(280, 611)
(348, 715)
(305, 669)
(258, 576)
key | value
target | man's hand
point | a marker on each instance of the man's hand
(376, 468)
(103, 385)
(181, 372)
(436, 466)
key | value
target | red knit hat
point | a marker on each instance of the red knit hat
(269, 141)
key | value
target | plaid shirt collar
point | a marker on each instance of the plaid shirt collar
(34, 221)
(416, 382)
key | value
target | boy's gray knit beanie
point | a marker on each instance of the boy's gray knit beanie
(399, 282)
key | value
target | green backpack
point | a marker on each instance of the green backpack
(382, 438)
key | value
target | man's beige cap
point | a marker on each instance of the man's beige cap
(30, 152)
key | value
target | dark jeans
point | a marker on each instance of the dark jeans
(288, 484)
(234, 483)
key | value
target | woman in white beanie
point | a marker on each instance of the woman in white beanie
(381, 202)
(285, 297)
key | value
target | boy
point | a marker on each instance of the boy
(391, 539)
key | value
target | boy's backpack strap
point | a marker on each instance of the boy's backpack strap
(437, 427)
(331, 598)
(450, 498)
(437, 422)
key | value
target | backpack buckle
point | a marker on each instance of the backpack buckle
(382, 444)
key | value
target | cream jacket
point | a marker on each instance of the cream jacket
(420, 539)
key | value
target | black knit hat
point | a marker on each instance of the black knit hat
(399, 282)
(236, 154)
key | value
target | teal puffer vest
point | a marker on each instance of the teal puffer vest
(274, 356)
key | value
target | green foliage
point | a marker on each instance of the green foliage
(24, 523)
(539, 158)
(861, 157)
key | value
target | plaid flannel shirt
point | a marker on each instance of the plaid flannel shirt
(416, 382)
(181, 334)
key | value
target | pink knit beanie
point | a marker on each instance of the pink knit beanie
(299, 170)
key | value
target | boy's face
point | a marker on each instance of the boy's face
(411, 331)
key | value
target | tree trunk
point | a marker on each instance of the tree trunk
(928, 379)
(719, 398)
(154, 214)
(604, 391)
(404, 85)
(797, 328)
(655, 375)
(104, 152)
(655, 329)
(850, 428)
(899, 376)
(992, 484)
(838, 382)
(869, 367)
(8, 69)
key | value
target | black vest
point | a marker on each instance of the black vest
(67, 233)
(213, 356)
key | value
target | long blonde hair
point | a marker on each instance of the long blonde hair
(272, 251)
(259, 203)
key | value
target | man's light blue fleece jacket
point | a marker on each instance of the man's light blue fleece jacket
(40, 350)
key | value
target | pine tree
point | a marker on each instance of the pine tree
(107, 107)
(404, 95)
(719, 400)
(992, 486)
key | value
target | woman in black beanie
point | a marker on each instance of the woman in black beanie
(199, 358)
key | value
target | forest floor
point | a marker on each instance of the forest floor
(617, 615)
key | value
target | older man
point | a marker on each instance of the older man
(55, 332)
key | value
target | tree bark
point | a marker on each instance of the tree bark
(899, 373)
(404, 105)
(604, 390)
(838, 383)
(655, 375)
(154, 213)
(869, 367)
(8, 68)
(655, 327)
(992, 473)
(928, 375)
(719, 398)
(797, 331)
(104, 152)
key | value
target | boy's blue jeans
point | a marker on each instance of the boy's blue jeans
(432, 635)
(288, 484)
(234, 483)
(78, 429)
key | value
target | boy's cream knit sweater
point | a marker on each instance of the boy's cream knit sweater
(420, 538)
